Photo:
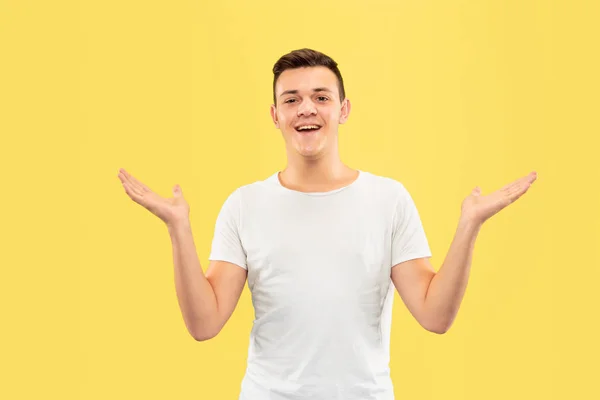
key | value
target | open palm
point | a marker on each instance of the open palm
(480, 208)
(169, 210)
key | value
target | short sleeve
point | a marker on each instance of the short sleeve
(408, 236)
(226, 244)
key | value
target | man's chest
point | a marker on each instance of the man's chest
(326, 250)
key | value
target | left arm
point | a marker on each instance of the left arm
(434, 298)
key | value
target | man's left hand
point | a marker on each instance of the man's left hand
(477, 208)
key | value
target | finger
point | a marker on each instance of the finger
(128, 185)
(529, 178)
(132, 193)
(131, 180)
(135, 183)
(140, 184)
(518, 191)
(525, 183)
(510, 185)
(532, 177)
(515, 196)
(514, 185)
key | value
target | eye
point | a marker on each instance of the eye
(323, 97)
(289, 100)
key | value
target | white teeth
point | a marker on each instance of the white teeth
(307, 127)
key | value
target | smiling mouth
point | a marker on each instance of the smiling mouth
(314, 129)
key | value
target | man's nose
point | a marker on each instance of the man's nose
(307, 108)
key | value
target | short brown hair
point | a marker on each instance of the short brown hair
(307, 58)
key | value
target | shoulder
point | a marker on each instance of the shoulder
(258, 187)
(382, 184)
(253, 192)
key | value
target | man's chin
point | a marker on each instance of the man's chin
(310, 154)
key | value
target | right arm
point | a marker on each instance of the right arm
(206, 301)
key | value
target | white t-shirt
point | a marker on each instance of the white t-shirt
(319, 268)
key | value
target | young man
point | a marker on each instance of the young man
(322, 246)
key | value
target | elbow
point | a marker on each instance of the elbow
(203, 333)
(202, 337)
(438, 323)
(439, 331)
(438, 328)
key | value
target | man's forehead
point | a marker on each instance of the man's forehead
(307, 79)
(314, 90)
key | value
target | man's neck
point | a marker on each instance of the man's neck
(317, 176)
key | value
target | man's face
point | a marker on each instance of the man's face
(309, 96)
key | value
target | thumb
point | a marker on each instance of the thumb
(476, 191)
(177, 191)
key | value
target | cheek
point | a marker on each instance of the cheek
(283, 118)
(329, 113)
(330, 118)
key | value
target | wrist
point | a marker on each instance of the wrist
(178, 224)
(469, 223)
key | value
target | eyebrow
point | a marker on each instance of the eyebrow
(294, 91)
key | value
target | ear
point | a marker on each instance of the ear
(274, 116)
(345, 112)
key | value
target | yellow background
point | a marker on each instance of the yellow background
(446, 96)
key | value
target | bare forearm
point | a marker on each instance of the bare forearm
(195, 294)
(448, 286)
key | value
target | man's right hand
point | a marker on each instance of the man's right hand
(171, 211)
